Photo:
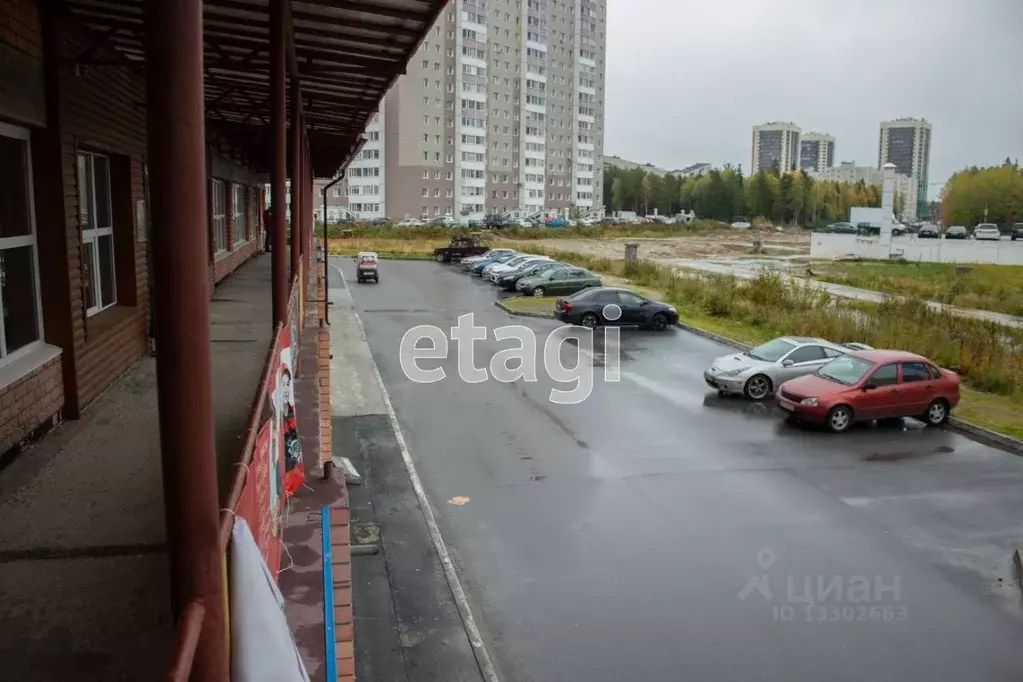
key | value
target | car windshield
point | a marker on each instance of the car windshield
(846, 370)
(772, 351)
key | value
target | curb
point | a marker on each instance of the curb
(987, 436)
(508, 310)
(973, 431)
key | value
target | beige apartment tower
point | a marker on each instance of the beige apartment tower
(776, 146)
(501, 111)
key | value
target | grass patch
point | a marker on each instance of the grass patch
(386, 248)
(998, 288)
(531, 304)
(444, 234)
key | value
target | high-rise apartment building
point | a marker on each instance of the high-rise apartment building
(816, 152)
(501, 110)
(776, 147)
(906, 142)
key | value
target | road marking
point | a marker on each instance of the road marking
(479, 648)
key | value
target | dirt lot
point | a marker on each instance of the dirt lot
(711, 245)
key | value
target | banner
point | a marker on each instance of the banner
(262, 646)
(289, 442)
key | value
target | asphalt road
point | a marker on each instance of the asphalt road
(658, 532)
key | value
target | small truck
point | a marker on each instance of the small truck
(460, 247)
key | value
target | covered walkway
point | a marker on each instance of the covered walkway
(84, 582)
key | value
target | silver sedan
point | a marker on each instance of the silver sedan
(757, 372)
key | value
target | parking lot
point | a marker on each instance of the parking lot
(657, 531)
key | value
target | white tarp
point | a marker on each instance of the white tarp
(262, 648)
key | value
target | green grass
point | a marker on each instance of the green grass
(531, 304)
(998, 288)
(444, 234)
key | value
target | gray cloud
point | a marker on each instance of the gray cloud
(686, 81)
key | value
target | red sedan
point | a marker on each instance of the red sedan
(872, 384)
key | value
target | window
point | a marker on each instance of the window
(19, 284)
(337, 192)
(886, 375)
(238, 219)
(806, 354)
(218, 216)
(97, 232)
(915, 371)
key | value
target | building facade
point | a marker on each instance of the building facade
(816, 152)
(501, 111)
(776, 146)
(906, 142)
(849, 172)
(74, 245)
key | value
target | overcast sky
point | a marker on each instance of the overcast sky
(687, 80)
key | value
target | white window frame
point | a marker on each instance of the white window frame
(24, 135)
(240, 228)
(218, 216)
(93, 235)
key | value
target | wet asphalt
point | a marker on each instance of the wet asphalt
(656, 531)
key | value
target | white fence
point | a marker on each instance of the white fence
(911, 248)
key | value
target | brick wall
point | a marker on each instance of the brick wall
(19, 26)
(101, 110)
(29, 403)
(32, 402)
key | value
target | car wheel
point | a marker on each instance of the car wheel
(589, 320)
(840, 419)
(658, 322)
(936, 414)
(757, 388)
(441, 258)
(538, 292)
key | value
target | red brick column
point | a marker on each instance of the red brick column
(344, 623)
(323, 371)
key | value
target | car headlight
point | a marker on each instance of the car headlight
(734, 372)
(672, 310)
(812, 402)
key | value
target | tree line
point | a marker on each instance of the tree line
(998, 189)
(784, 198)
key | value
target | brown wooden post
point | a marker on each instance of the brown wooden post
(181, 310)
(296, 179)
(279, 171)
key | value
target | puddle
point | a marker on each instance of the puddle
(888, 457)
(902, 456)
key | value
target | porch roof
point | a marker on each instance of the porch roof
(346, 55)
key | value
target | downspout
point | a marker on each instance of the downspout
(326, 264)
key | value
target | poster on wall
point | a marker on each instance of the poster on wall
(288, 440)
(256, 506)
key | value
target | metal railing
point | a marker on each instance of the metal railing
(189, 626)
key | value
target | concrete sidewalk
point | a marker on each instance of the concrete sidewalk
(748, 269)
(84, 587)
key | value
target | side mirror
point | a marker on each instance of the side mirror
(787, 363)
(869, 386)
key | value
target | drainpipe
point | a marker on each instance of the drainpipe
(326, 266)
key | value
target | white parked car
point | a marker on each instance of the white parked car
(411, 222)
(988, 231)
(508, 265)
(741, 223)
(495, 273)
